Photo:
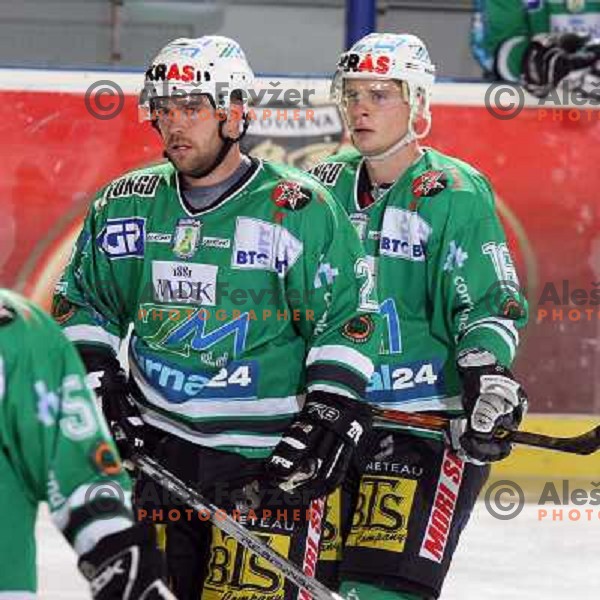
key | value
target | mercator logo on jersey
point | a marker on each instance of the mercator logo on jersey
(186, 283)
(177, 384)
(404, 234)
(265, 246)
(407, 382)
(123, 238)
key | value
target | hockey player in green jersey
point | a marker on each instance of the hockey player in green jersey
(540, 43)
(449, 297)
(247, 288)
(56, 449)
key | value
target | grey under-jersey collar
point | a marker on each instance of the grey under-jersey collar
(203, 197)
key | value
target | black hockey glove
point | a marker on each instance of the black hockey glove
(126, 566)
(317, 449)
(109, 382)
(551, 57)
(494, 402)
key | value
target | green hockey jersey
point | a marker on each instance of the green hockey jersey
(237, 310)
(55, 446)
(444, 276)
(501, 29)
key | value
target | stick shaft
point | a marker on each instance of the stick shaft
(230, 526)
(583, 444)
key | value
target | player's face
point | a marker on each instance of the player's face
(190, 132)
(376, 112)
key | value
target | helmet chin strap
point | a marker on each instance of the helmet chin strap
(410, 136)
(406, 139)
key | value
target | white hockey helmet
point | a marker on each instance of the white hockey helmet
(384, 56)
(213, 65)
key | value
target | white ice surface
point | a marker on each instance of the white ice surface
(524, 559)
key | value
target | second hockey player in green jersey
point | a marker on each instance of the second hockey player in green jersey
(419, 235)
(55, 448)
(449, 298)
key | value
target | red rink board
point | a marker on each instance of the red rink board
(544, 169)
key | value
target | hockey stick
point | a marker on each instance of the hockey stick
(230, 526)
(586, 443)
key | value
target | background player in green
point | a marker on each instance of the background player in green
(56, 448)
(247, 287)
(539, 43)
(449, 296)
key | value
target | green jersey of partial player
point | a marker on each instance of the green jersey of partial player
(236, 309)
(55, 445)
(502, 29)
(444, 275)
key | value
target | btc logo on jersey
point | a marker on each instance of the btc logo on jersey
(265, 246)
(404, 234)
(123, 238)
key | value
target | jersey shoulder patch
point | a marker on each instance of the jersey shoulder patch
(445, 173)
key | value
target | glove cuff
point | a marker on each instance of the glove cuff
(348, 418)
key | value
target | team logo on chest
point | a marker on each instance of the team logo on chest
(186, 237)
(360, 222)
(289, 194)
(429, 184)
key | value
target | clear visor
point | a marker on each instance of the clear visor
(372, 93)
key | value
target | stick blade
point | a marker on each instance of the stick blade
(584, 444)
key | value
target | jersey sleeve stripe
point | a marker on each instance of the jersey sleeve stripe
(92, 333)
(331, 389)
(92, 533)
(498, 330)
(332, 374)
(226, 439)
(341, 354)
(81, 496)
